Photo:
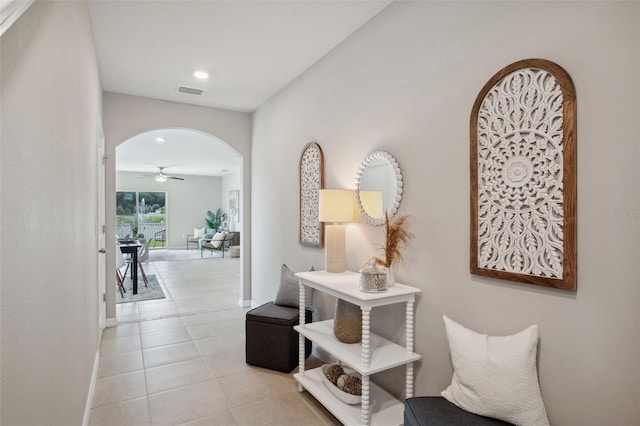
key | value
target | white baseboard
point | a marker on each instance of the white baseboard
(245, 303)
(92, 387)
(111, 322)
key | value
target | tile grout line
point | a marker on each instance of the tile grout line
(141, 318)
(144, 372)
(215, 379)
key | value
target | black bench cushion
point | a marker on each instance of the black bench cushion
(437, 411)
(274, 314)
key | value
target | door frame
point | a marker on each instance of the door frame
(101, 225)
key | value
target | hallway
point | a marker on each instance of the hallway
(180, 360)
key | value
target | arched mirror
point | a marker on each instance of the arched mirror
(378, 187)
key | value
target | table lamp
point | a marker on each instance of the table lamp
(335, 205)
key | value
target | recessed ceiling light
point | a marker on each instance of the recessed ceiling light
(160, 139)
(202, 75)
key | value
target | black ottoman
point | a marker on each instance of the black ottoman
(437, 411)
(271, 340)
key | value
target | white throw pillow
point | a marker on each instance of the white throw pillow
(198, 233)
(495, 376)
(217, 239)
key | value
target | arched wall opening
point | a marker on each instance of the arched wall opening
(128, 116)
(203, 173)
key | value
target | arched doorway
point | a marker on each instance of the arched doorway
(126, 116)
(204, 172)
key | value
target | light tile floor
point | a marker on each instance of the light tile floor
(180, 360)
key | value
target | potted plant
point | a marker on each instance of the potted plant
(214, 220)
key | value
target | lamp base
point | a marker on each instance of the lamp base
(335, 250)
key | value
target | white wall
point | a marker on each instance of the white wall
(51, 98)
(187, 201)
(127, 116)
(405, 83)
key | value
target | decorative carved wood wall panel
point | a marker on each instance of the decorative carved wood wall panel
(311, 182)
(523, 176)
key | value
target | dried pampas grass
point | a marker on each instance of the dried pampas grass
(397, 237)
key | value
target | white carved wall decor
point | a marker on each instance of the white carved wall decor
(523, 176)
(311, 182)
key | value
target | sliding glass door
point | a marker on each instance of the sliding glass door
(140, 214)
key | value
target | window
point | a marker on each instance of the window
(140, 213)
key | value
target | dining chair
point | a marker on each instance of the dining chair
(160, 237)
(119, 277)
(143, 255)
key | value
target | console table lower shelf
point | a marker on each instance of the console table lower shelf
(384, 408)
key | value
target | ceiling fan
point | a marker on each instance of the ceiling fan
(161, 176)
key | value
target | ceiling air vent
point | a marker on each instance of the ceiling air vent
(190, 90)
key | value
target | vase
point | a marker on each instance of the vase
(347, 324)
(391, 275)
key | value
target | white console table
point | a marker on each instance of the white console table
(372, 355)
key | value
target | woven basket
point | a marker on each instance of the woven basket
(371, 282)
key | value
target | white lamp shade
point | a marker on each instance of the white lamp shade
(372, 203)
(335, 205)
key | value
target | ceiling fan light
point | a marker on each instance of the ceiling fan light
(160, 178)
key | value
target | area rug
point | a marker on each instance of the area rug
(154, 291)
(163, 255)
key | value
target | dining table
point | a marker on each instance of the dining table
(132, 247)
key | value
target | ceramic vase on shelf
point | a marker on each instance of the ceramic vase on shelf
(347, 324)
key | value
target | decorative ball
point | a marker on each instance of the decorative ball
(333, 372)
(341, 381)
(352, 385)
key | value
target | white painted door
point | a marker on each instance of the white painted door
(100, 226)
